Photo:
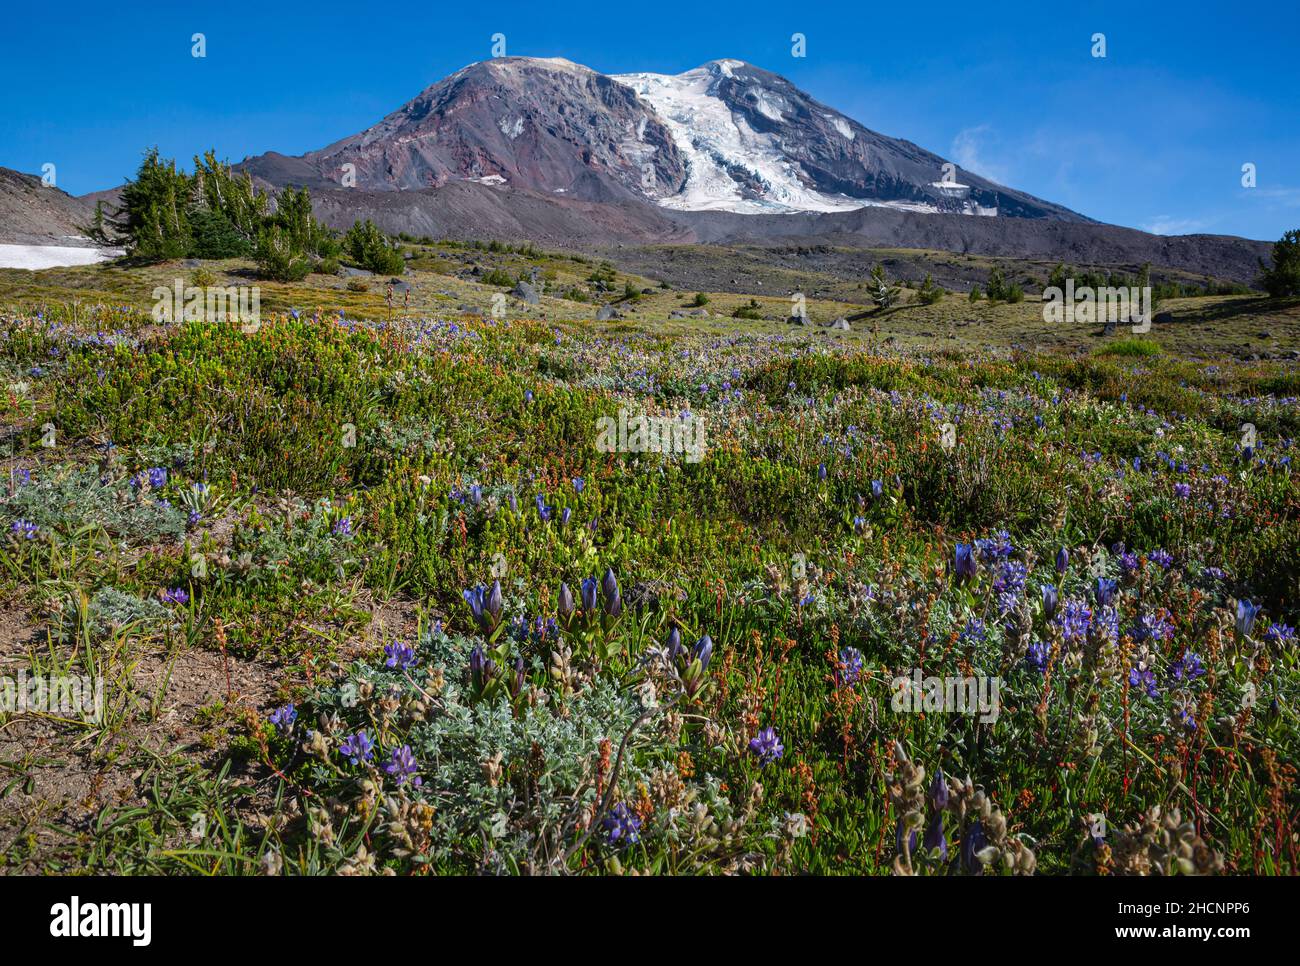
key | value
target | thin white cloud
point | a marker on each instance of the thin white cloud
(969, 151)
(1169, 225)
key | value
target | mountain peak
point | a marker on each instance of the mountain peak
(725, 136)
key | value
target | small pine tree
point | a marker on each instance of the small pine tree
(1282, 278)
(996, 287)
(929, 293)
(882, 292)
(975, 293)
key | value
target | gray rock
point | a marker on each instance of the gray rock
(797, 320)
(607, 312)
(525, 292)
(349, 272)
(842, 324)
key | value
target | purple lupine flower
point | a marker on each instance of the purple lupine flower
(877, 489)
(399, 655)
(1279, 634)
(1037, 655)
(1188, 668)
(1161, 558)
(849, 671)
(342, 527)
(1105, 592)
(974, 632)
(157, 477)
(24, 529)
(1074, 619)
(174, 595)
(1152, 627)
(1145, 680)
(1182, 490)
(997, 546)
(283, 718)
(1008, 583)
(403, 766)
(767, 746)
(578, 484)
(358, 748)
(622, 826)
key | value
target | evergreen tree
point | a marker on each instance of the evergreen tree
(882, 292)
(1283, 277)
(153, 218)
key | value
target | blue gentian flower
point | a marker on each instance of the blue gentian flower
(1246, 614)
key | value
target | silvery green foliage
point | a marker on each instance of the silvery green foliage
(458, 741)
(67, 499)
(109, 611)
(111, 608)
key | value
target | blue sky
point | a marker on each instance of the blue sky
(1153, 136)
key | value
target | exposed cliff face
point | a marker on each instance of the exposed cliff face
(542, 125)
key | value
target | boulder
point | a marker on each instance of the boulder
(526, 293)
(607, 312)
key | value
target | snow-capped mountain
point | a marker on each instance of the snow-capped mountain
(744, 136)
(726, 137)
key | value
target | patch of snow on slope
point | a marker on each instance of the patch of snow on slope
(711, 140)
(36, 257)
(842, 126)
